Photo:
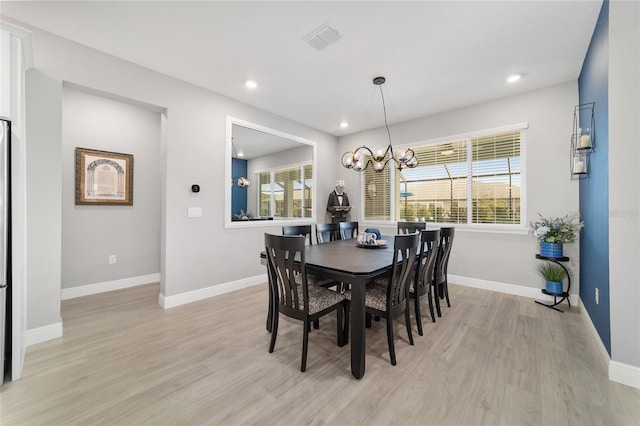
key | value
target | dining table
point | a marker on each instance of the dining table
(354, 264)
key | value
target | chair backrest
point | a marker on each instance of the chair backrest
(444, 250)
(427, 254)
(348, 230)
(326, 232)
(410, 227)
(405, 247)
(288, 282)
(298, 230)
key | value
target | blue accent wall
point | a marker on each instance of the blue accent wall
(593, 86)
(238, 195)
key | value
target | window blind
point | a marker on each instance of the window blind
(496, 178)
(287, 192)
(435, 191)
(377, 194)
(467, 180)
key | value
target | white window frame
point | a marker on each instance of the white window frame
(520, 228)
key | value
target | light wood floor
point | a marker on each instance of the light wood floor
(491, 359)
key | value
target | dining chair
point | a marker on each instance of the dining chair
(423, 280)
(293, 296)
(348, 230)
(304, 230)
(298, 230)
(410, 227)
(326, 232)
(314, 280)
(387, 296)
(440, 282)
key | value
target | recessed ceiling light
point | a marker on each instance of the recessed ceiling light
(344, 124)
(250, 84)
(513, 78)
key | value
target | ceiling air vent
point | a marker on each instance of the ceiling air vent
(322, 37)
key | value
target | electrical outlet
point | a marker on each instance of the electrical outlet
(597, 297)
(112, 259)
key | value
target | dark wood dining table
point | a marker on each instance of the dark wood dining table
(343, 261)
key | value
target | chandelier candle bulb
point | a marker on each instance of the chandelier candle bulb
(379, 153)
(347, 159)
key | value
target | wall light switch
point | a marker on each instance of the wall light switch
(194, 212)
(112, 259)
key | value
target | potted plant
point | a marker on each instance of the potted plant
(553, 275)
(553, 232)
(242, 215)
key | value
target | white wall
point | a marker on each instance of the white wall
(624, 195)
(44, 205)
(92, 233)
(5, 73)
(501, 258)
(197, 254)
(15, 59)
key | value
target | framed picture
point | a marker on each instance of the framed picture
(103, 178)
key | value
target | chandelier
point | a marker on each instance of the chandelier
(360, 158)
(241, 182)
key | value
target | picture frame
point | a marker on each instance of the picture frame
(103, 178)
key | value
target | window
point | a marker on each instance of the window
(286, 193)
(496, 179)
(473, 180)
(377, 195)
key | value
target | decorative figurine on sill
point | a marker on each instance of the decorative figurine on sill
(338, 203)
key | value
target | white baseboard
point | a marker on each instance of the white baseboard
(43, 334)
(204, 293)
(604, 354)
(618, 372)
(625, 374)
(517, 290)
(86, 290)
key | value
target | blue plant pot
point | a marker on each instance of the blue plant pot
(550, 249)
(554, 287)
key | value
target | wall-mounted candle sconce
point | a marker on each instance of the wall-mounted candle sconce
(582, 140)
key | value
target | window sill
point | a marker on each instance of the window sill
(462, 227)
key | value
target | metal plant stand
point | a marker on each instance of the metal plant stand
(557, 297)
